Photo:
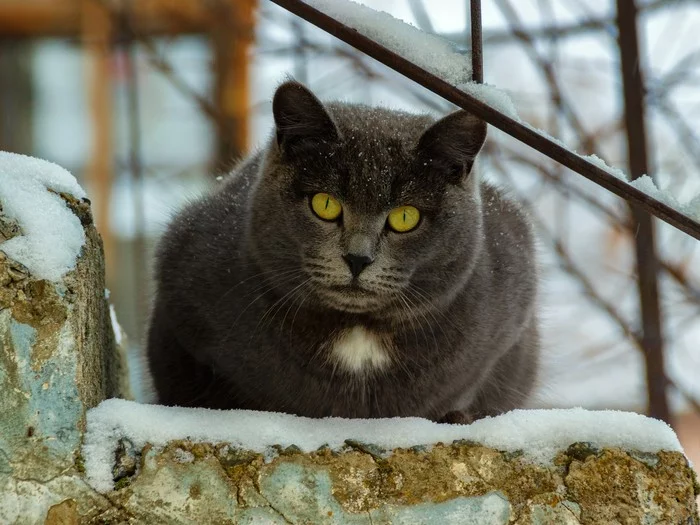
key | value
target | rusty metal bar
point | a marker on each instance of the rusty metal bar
(477, 42)
(494, 117)
(647, 262)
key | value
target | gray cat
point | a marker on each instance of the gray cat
(356, 267)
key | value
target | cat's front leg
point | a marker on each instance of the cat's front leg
(457, 417)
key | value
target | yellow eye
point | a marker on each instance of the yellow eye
(326, 206)
(403, 218)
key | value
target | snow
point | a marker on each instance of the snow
(492, 96)
(546, 135)
(540, 434)
(51, 175)
(52, 236)
(116, 327)
(691, 208)
(595, 159)
(643, 183)
(432, 53)
(647, 185)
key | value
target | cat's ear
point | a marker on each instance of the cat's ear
(452, 143)
(301, 121)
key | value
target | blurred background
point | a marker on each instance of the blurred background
(148, 102)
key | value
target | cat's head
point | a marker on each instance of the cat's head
(366, 210)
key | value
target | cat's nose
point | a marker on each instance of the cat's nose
(357, 263)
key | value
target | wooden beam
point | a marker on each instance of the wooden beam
(97, 33)
(232, 38)
(63, 18)
(17, 97)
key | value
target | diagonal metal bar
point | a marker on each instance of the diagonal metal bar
(494, 117)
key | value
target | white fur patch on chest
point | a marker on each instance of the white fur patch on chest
(358, 350)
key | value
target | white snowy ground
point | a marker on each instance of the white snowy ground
(539, 434)
(51, 235)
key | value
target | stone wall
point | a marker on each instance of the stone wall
(447, 484)
(58, 358)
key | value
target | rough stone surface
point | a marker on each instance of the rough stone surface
(57, 358)
(457, 483)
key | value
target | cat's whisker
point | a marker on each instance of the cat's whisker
(276, 280)
(306, 296)
(297, 293)
(422, 293)
(271, 288)
(279, 272)
(423, 300)
(382, 286)
(406, 311)
(415, 308)
(410, 318)
(276, 306)
(447, 340)
(315, 265)
(273, 255)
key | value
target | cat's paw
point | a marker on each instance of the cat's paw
(457, 417)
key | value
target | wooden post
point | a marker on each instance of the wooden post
(16, 97)
(232, 36)
(97, 34)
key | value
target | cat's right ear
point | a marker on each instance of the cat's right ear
(452, 144)
(301, 121)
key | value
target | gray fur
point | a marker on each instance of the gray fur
(253, 290)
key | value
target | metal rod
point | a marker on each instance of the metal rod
(477, 42)
(494, 117)
(647, 263)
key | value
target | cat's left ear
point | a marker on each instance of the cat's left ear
(302, 123)
(452, 143)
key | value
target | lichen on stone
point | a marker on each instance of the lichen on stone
(354, 485)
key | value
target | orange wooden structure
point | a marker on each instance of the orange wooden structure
(228, 23)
